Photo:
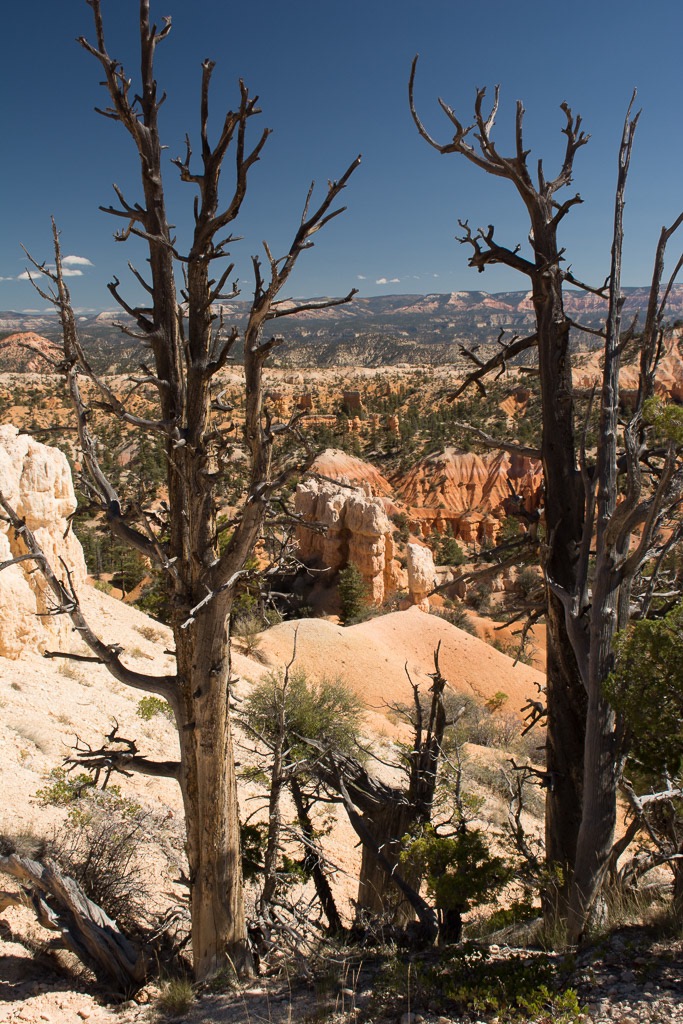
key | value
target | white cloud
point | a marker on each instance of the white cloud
(76, 261)
(361, 277)
(388, 280)
(36, 275)
(381, 280)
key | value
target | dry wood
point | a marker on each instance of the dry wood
(84, 928)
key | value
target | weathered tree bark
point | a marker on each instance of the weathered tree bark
(383, 815)
(209, 789)
(61, 905)
(377, 896)
(563, 506)
(564, 498)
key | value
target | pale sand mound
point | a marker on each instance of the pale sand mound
(46, 702)
(372, 656)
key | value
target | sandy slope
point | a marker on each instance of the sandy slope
(45, 703)
(372, 657)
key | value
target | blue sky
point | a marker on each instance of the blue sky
(332, 78)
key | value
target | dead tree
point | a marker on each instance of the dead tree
(586, 605)
(189, 347)
(382, 814)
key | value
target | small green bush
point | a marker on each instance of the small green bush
(460, 871)
(62, 788)
(402, 531)
(524, 655)
(467, 980)
(457, 616)
(247, 628)
(149, 707)
(479, 598)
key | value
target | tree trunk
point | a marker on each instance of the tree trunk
(564, 506)
(377, 895)
(596, 835)
(602, 763)
(566, 704)
(208, 782)
(677, 901)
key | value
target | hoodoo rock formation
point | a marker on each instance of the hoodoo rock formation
(338, 465)
(356, 530)
(36, 481)
(422, 576)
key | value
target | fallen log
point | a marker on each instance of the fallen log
(61, 906)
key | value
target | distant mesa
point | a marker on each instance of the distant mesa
(379, 330)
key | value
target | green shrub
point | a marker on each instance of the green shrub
(247, 628)
(460, 872)
(479, 598)
(402, 531)
(646, 687)
(63, 788)
(102, 846)
(467, 980)
(457, 616)
(446, 549)
(326, 710)
(149, 707)
(525, 655)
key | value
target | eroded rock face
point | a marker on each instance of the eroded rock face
(339, 465)
(668, 382)
(357, 529)
(468, 493)
(36, 481)
(23, 353)
(422, 576)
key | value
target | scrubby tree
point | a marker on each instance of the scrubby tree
(353, 594)
(604, 509)
(646, 689)
(284, 713)
(460, 872)
(183, 330)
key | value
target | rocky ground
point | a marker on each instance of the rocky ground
(628, 978)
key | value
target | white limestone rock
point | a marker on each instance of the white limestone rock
(36, 481)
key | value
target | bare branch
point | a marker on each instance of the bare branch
(67, 603)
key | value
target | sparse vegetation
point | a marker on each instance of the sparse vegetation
(176, 997)
(247, 629)
(443, 829)
(353, 595)
(149, 707)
